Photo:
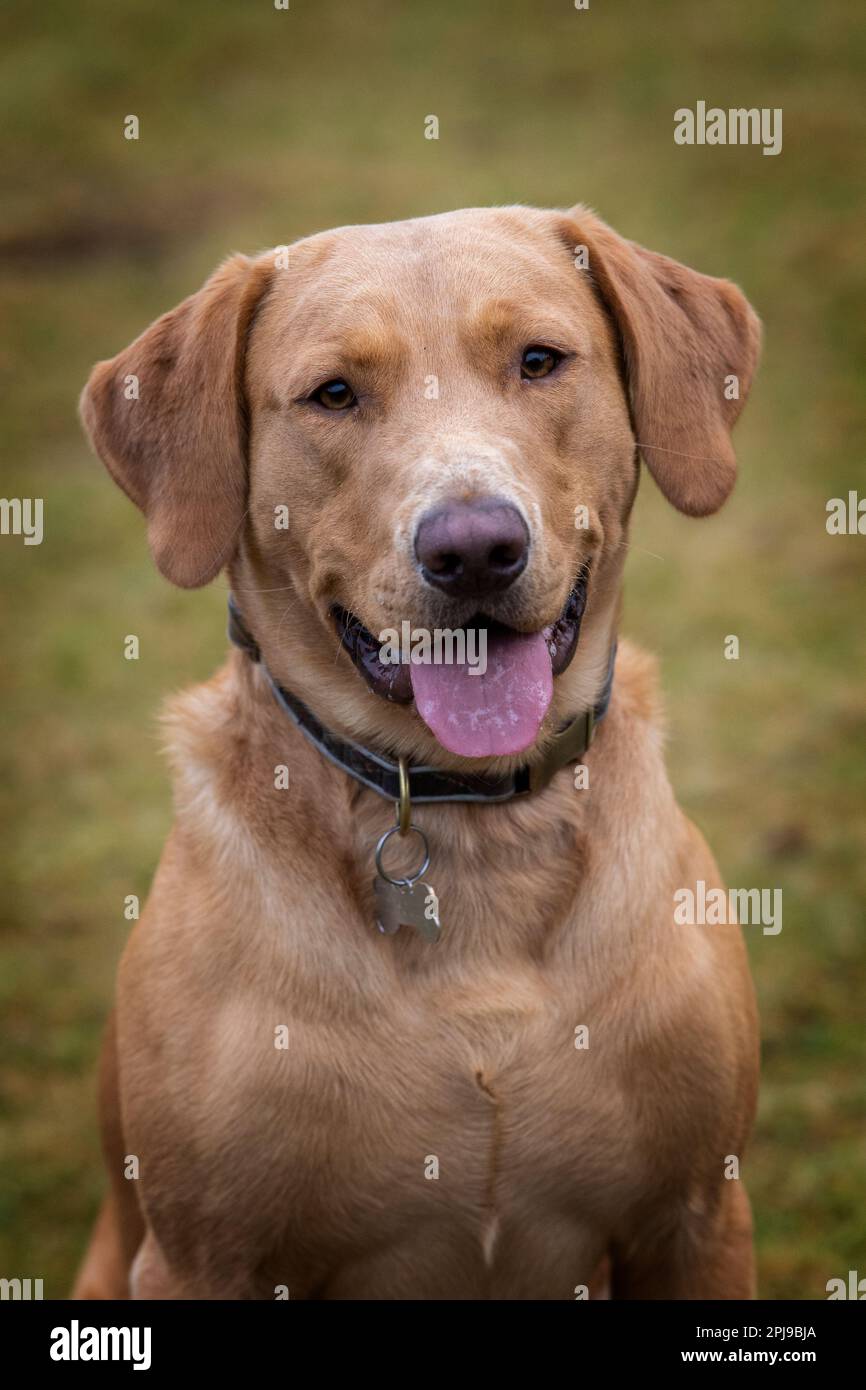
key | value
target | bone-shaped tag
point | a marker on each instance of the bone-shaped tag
(407, 905)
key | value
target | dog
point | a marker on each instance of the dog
(333, 1070)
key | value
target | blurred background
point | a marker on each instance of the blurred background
(258, 126)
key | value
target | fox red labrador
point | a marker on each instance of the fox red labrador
(408, 1014)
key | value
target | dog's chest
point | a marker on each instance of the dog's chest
(474, 1115)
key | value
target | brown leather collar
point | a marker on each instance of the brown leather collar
(428, 784)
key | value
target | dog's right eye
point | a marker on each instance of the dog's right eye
(334, 395)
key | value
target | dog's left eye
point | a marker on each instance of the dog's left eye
(334, 395)
(539, 361)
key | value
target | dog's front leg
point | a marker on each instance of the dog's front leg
(708, 1253)
(152, 1277)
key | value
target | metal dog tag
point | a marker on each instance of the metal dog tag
(407, 905)
(407, 901)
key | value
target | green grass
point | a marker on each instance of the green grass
(259, 126)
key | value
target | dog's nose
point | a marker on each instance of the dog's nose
(469, 549)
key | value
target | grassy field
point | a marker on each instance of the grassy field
(258, 126)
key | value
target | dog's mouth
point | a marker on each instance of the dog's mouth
(482, 689)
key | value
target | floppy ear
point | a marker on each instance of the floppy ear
(167, 417)
(690, 346)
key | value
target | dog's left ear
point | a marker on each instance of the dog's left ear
(167, 418)
(690, 346)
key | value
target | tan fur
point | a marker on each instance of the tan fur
(305, 1167)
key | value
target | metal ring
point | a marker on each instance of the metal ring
(404, 805)
(413, 878)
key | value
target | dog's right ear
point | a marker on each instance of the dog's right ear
(167, 417)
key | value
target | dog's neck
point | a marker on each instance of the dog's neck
(429, 784)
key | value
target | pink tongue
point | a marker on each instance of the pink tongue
(495, 713)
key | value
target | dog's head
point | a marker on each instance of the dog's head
(433, 423)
